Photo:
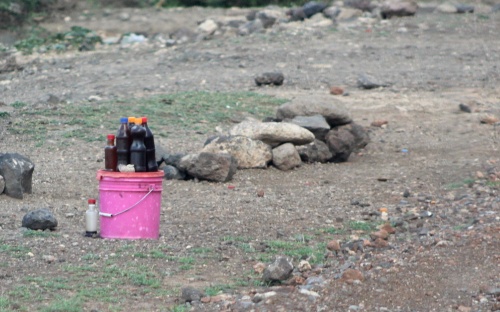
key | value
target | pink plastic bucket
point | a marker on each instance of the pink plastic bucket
(130, 204)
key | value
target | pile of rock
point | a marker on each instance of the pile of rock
(300, 132)
(317, 14)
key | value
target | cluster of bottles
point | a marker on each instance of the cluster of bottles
(135, 145)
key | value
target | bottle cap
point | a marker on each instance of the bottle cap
(111, 136)
(91, 201)
(138, 121)
(131, 119)
(124, 120)
(144, 120)
(383, 209)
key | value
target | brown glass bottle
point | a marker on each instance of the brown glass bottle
(123, 141)
(149, 142)
(137, 148)
(110, 154)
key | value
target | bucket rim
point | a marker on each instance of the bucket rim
(114, 174)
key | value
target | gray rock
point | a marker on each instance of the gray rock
(268, 17)
(190, 294)
(279, 270)
(296, 14)
(464, 108)
(495, 8)
(40, 219)
(465, 8)
(173, 159)
(398, 8)
(316, 151)
(251, 27)
(10, 65)
(335, 113)
(366, 81)
(361, 137)
(446, 7)
(207, 27)
(2, 184)
(311, 8)
(209, 166)
(159, 152)
(274, 78)
(286, 157)
(363, 5)
(273, 133)
(316, 124)
(331, 12)
(248, 153)
(341, 143)
(17, 171)
(173, 173)
(348, 14)
(49, 99)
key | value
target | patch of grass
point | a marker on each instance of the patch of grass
(4, 115)
(144, 279)
(18, 104)
(5, 303)
(140, 255)
(493, 184)
(246, 247)
(196, 111)
(296, 250)
(235, 239)
(14, 251)
(457, 185)
(32, 233)
(60, 304)
(90, 257)
(26, 293)
(330, 230)
(216, 289)
(180, 308)
(361, 226)
(200, 250)
(157, 254)
(39, 39)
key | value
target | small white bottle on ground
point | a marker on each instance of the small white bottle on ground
(383, 214)
(91, 217)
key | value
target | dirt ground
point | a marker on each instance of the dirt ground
(430, 157)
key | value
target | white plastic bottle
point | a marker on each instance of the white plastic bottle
(91, 219)
(383, 214)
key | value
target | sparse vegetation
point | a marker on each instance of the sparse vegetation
(198, 111)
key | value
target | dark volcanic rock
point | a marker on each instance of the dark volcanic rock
(40, 219)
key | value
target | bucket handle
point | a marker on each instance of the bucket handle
(110, 215)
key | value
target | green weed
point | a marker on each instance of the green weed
(215, 290)
(40, 39)
(18, 104)
(456, 185)
(200, 250)
(180, 308)
(90, 257)
(60, 304)
(361, 226)
(32, 233)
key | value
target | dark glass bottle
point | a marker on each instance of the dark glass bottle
(110, 154)
(149, 142)
(123, 141)
(137, 148)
